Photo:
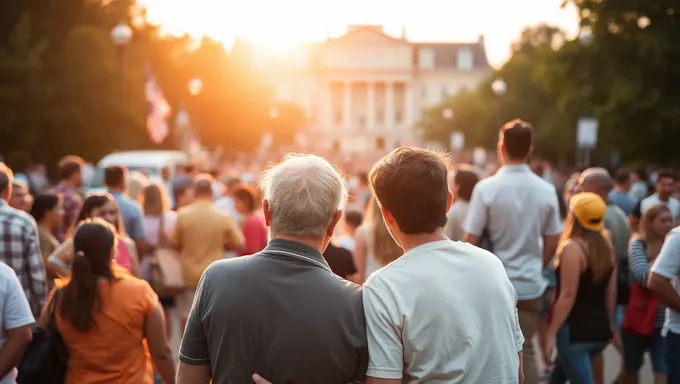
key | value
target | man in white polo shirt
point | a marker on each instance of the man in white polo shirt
(444, 311)
(518, 212)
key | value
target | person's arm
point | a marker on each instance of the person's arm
(36, 268)
(159, 346)
(666, 266)
(637, 260)
(552, 229)
(476, 220)
(131, 246)
(233, 236)
(17, 320)
(570, 272)
(360, 250)
(58, 263)
(610, 299)
(383, 331)
(194, 360)
(520, 374)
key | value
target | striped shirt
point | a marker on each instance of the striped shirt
(639, 270)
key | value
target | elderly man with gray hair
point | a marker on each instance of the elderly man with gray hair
(281, 313)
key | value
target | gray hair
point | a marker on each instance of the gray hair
(304, 194)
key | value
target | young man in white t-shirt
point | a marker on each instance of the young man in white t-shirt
(444, 311)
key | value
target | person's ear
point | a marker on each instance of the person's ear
(449, 201)
(336, 218)
(267, 213)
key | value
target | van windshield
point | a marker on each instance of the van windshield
(98, 177)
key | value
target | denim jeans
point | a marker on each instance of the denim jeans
(673, 357)
(573, 359)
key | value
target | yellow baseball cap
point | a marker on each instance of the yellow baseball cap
(588, 208)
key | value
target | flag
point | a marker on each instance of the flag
(158, 110)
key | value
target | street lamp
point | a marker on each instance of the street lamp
(195, 86)
(121, 35)
(499, 88)
(585, 36)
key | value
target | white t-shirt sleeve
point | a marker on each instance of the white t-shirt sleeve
(476, 219)
(519, 336)
(551, 225)
(385, 350)
(16, 311)
(667, 264)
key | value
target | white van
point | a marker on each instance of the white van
(151, 163)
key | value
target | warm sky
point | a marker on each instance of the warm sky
(282, 22)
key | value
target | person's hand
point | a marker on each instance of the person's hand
(257, 379)
(616, 339)
(548, 349)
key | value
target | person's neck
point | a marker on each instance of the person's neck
(44, 227)
(408, 242)
(68, 183)
(663, 198)
(204, 199)
(116, 189)
(618, 188)
(514, 162)
(316, 243)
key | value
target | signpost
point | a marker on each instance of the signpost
(586, 137)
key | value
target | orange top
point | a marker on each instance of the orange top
(115, 350)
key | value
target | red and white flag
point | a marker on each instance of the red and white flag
(158, 110)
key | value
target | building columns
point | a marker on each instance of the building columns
(389, 106)
(347, 106)
(370, 118)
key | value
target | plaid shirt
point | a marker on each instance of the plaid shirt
(20, 250)
(72, 203)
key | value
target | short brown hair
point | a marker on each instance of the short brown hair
(412, 184)
(70, 165)
(466, 178)
(517, 136)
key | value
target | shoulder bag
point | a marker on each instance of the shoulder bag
(166, 270)
(641, 311)
(46, 359)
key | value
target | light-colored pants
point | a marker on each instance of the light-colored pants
(528, 321)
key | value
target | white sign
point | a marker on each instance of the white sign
(457, 141)
(586, 133)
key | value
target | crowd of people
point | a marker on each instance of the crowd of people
(415, 272)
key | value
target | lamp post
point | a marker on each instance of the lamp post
(121, 35)
(194, 88)
(585, 38)
(499, 88)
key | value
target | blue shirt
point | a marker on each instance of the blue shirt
(623, 200)
(131, 212)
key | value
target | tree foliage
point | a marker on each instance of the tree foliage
(62, 90)
(626, 78)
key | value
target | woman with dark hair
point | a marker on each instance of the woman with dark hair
(48, 212)
(104, 318)
(246, 202)
(581, 321)
(103, 206)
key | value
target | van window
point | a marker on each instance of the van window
(98, 178)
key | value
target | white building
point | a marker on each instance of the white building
(365, 91)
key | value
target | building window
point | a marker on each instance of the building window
(426, 58)
(465, 59)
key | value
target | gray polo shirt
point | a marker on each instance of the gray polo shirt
(281, 313)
